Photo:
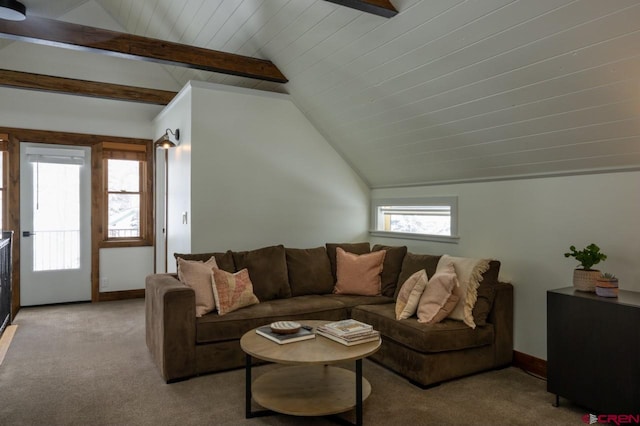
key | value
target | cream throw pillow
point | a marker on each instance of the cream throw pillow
(198, 276)
(438, 298)
(409, 295)
(232, 291)
(359, 274)
(469, 273)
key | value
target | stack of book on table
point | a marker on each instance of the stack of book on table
(349, 332)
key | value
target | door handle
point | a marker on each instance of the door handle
(28, 233)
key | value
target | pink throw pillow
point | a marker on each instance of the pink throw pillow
(232, 291)
(359, 274)
(198, 276)
(448, 306)
(409, 295)
(439, 298)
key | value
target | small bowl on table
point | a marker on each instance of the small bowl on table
(285, 327)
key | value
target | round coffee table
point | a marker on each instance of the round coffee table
(309, 385)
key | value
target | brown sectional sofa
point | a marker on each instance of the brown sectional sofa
(296, 284)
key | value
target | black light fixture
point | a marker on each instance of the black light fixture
(165, 141)
(12, 10)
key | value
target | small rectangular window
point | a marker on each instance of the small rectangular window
(428, 218)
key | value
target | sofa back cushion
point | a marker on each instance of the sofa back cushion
(355, 248)
(267, 268)
(486, 293)
(392, 267)
(224, 260)
(412, 263)
(309, 271)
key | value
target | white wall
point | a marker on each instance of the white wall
(124, 268)
(261, 174)
(529, 224)
(177, 115)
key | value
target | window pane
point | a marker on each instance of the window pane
(56, 216)
(124, 175)
(430, 220)
(124, 215)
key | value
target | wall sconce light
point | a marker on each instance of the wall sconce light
(12, 10)
(165, 141)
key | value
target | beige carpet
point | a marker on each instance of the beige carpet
(87, 364)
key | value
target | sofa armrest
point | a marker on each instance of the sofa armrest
(170, 320)
(501, 316)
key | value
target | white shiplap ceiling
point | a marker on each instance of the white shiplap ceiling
(447, 90)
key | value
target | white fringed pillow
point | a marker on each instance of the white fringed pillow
(469, 272)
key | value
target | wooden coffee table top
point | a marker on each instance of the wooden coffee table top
(319, 350)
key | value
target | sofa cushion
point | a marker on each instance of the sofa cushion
(232, 291)
(447, 335)
(486, 293)
(198, 275)
(359, 274)
(412, 263)
(309, 271)
(216, 328)
(392, 267)
(268, 271)
(355, 248)
(410, 293)
(350, 301)
(224, 260)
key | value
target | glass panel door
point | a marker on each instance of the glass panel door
(55, 224)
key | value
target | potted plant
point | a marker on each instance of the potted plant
(585, 278)
(607, 285)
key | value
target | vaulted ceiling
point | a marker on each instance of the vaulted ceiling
(445, 91)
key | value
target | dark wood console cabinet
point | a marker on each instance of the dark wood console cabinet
(593, 350)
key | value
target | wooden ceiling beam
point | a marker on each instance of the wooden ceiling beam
(377, 7)
(69, 86)
(80, 37)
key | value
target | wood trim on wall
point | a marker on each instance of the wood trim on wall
(97, 229)
(17, 135)
(530, 363)
(121, 295)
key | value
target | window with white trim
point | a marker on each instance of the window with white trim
(426, 218)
